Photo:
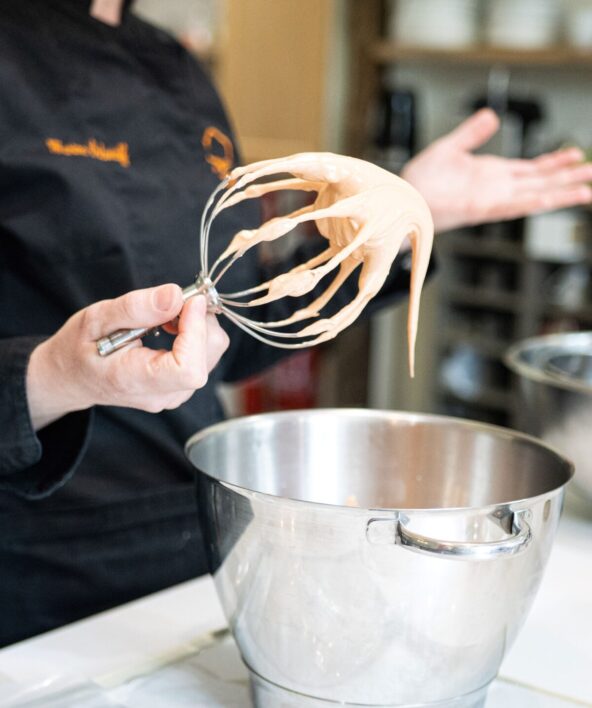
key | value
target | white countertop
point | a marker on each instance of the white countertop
(549, 666)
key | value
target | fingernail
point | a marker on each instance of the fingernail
(164, 297)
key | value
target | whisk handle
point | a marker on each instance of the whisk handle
(122, 337)
(119, 339)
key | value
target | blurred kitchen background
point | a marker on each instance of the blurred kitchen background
(381, 79)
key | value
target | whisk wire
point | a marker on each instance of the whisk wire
(206, 223)
(247, 326)
(227, 303)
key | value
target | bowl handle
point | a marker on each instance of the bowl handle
(519, 539)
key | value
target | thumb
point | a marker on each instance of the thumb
(475, 130)
(140, 308)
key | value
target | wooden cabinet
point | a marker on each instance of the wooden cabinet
(278, 70)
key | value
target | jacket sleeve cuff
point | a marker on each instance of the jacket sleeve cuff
(33, 465)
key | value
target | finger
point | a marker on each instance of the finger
(549, 162)
(550, 200)
(570, 196)
(149, 372)
(156, 403)
(217, 341)
(560, 158)
(189, 347)
(474, 131)
(571, 175)
(140, 308)
(178, 399)
(567, 177)
(172, 327)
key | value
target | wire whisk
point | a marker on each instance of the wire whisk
(365, 213)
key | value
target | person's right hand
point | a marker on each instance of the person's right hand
(66, 373)
(463, 189)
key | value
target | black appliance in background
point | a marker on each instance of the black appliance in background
(394, 141)
(518, 116)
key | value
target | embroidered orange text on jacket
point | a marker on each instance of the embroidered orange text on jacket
(92, 149)
(219, 151)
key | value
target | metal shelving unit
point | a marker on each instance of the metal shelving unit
(387, 52)
(493, 292)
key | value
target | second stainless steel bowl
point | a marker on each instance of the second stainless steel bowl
(555, 380)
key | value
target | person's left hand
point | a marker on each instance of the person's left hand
(65, 373)
(463, 189)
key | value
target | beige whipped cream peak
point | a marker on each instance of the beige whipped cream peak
(366, 214)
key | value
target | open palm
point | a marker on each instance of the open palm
(462, 189)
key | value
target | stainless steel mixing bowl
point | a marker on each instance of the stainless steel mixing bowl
(409, 598)
(555, 380)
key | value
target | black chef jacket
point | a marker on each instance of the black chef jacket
(111, 139)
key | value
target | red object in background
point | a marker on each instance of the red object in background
(288, 385)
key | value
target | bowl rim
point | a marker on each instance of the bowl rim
(407, 416)
(556, 344)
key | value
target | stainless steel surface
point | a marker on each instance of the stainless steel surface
(326, 600)
(122, 337)
(555, 379)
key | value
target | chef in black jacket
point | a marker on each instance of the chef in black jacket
(111, 139)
